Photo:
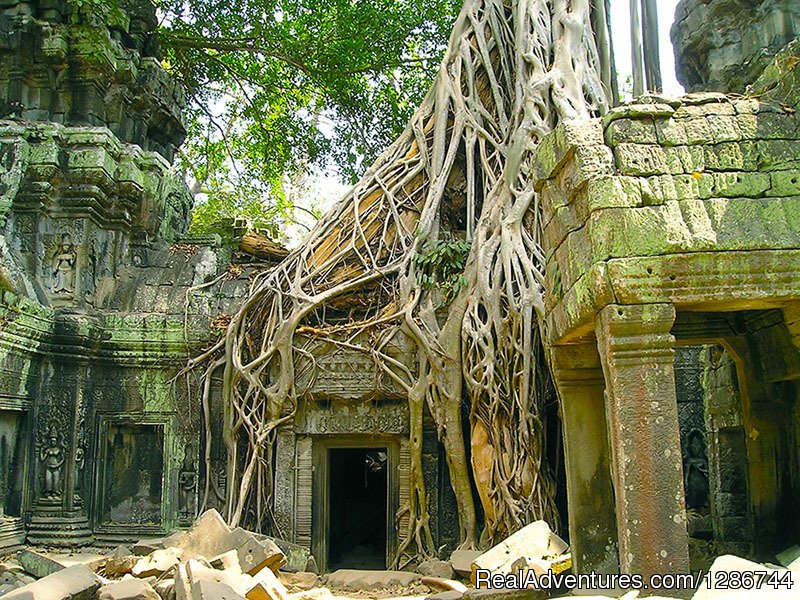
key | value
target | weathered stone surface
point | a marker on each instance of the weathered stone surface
(461, 561)
(265, 586)
(73, 583)
(160, 561)
(254, 554)
(780, 81)
(534, 541)
(130, 589)
(354, 579)
(193, 581)
(300, 581)
(145, 547)
(436, 568)
(724, 45)
(37, 564)
(448, 595)
(441, 583)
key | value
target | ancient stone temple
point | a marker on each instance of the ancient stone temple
(100, 311)
(672, 310)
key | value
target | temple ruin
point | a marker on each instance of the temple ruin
(671, 307)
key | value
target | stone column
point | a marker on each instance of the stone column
(636, 348)
(592, 522)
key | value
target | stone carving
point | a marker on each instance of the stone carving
(187, 482)
(695, 471)
(52, 458)
(63, 266)
(349, 418)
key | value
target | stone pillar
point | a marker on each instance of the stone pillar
(592, 522)
(636, 348)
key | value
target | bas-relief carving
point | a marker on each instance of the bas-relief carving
(52, 458)
(348, 417)
(63, 266)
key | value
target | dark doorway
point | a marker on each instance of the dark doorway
(358, 493)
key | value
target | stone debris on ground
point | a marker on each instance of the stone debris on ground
(211, 561)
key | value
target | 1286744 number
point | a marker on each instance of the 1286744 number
(749, 580)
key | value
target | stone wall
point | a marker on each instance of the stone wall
(724, 45)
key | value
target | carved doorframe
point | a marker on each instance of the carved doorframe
(163, 421)
(320, 519)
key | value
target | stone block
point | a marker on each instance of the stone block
(461, 561)
(639, 159)
(145, 547)
(443, 583)
(298, 558)
(436, 568)
(194, 581)
(207, 537)
(73, 583)
(266, 586)
(129, 589)
(254, 554)
(636, 131)
(784, 183)
(749, 185)
(37, 564)
(157, 563)
(300, 581)
(354, 579)
(534, 541)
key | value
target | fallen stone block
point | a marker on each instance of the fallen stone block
(158, 563)
(195, 581)
(129, 589)
(77, 582)
(166, 589)
(266, 586)
(727, 569)
(148, 546)
(298, 558)
(461, 561)
(299, 582)
(533, 542)
(228, 561)
(436, 568)
(37, 564)
(209, 536)
(441, 583)
(255, 554)
(121, 565)
(213, 590)
(355, 580)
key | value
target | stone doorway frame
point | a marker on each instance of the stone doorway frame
(126, 531)
(320, 517)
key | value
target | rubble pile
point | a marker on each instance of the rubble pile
(211, 561)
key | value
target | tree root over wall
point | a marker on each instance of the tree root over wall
(512, 71)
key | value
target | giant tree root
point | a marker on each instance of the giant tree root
(512, 71)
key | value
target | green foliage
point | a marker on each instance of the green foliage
(278, 87)
(440, 265)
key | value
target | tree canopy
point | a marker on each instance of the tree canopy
(278, 86)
